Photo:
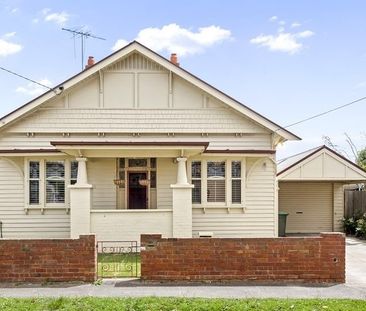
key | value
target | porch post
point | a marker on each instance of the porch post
(182, 202)
(80, 202)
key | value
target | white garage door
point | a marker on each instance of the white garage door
(309, 206)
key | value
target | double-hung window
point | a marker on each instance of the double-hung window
(73, 172)
(216, 174)
(196, 181)
(55, 182)
(34, 182)
(217, 182)
(47, 181)
(236, 182)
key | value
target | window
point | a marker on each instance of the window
(34, 168)
(137, 162)
(73, 172)
(196, 181)
(236, 182)
(216, 181)
(55, 182)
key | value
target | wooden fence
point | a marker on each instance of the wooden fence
(355, 203)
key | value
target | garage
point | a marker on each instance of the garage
(311, 189)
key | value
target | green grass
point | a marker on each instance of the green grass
(119, 265)
(178, 304)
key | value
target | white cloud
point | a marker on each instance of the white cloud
(119, 44)
(282, 41)
(174, 38)
(35, 20)
(295, 24)
(8, 48)
(32, 89)
(273, 18)
(59, 18)
(10, 34)
(305, 34)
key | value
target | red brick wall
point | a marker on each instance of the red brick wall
(48, 260)
(291, 259)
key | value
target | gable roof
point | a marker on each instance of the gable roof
(138, 47)
(343, 169)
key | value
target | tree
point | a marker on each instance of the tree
(361, 158)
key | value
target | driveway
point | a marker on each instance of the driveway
(355, 262)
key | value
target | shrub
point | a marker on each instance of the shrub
(361, 227)
(349, 225)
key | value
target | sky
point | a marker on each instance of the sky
(287, 60)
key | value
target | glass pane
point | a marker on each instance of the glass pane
(74, 170)
(121, 174)
(73, 181)
(153, 162)
(236, 191)
(153, 180)
(121, 162)
(33, 169)
(216, 191)
(33, 192)
(55, 191)
(196, 169)
(196, 192)
(216, 169)
(236, 169)
(55, 170)
(137, 162)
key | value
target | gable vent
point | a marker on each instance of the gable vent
(135, 61)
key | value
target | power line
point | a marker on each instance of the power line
(57, 92)
(324, 113)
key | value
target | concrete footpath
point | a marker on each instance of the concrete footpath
(115, 288)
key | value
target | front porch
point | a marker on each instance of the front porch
(124, 196)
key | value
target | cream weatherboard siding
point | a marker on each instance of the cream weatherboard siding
(309, 204)
(101, 173)
(338, 203)
(128, 225)
(166, 176)
(254, 218)
(18, 224)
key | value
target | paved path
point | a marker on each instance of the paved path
(108, 289)
(355, 287)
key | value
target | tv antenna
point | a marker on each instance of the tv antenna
(83, 35)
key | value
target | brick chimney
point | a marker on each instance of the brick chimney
(90, 63)
(174, 59)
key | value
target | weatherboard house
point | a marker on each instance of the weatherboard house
(136, 144)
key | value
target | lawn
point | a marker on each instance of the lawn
(178, 304)
(119, 265)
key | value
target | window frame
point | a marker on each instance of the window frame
(228, 181)
(43, 182)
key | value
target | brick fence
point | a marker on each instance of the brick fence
(295, 259)
(48, 260)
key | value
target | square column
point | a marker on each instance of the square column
(80, 202)
(182, 203)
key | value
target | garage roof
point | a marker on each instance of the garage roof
(319, 164)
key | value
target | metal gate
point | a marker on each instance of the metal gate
(118, 259)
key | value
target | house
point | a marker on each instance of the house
(136, 144)
(311, 189)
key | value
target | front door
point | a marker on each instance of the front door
(137, 190)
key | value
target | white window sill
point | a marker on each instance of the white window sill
(42, 209)
(228, 208)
